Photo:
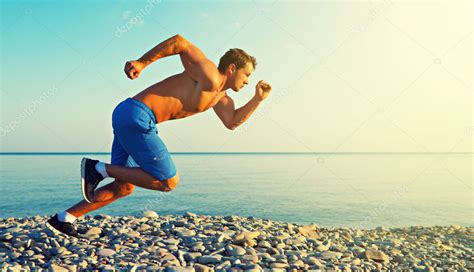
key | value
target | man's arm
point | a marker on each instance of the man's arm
(233, 118)
(171, 46)
(195, 63)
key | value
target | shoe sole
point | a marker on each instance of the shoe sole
(59, 233)
(53, 229)
(83, 181)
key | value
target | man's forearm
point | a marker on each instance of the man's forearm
(243, 113)
(171, 46)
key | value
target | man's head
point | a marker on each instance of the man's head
(237, 65)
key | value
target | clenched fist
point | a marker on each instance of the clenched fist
(262, 90)
(133, 68)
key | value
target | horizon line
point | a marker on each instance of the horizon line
(237, 153)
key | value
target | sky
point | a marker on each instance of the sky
(380, 76)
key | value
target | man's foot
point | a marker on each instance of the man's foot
(61, 227)
(90, 178)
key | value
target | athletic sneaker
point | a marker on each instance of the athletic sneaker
(90, 178)
(63, 227)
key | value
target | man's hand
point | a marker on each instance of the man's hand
(133, 68)
(262, 90)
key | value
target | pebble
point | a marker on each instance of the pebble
(375, 255)
(150, 214)
(93, 231)
(179, 269)
(331, 255)
(208, 259)
(229, 243)
(202, 268)
(105, 252)
(58, 250)
(57, 268)
(192, 256)
(235, 251)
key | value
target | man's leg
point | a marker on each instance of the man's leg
(62, 221)
(141, 178)
(117, 189)
(102, 197)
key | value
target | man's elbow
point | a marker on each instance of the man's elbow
(180, 42)
(179, 38)
(231, 126)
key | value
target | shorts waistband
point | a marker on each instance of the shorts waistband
(143, 107)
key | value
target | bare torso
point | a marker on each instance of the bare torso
(178, 96)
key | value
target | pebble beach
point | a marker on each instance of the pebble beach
(191, 242)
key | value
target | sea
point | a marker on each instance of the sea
(356, 190)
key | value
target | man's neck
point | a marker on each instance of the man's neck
(223, 83)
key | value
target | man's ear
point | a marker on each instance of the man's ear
(231, 68)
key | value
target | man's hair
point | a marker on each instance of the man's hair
(236, 56)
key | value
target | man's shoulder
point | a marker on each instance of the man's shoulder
(225, 99)
(211, 74)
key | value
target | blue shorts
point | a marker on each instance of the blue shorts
(136, 142)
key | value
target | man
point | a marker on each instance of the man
(199, 87)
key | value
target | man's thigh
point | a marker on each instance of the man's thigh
(148, 151)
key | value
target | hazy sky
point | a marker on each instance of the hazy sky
(347, 76)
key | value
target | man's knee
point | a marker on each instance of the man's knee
(171, 183)
(124, 189)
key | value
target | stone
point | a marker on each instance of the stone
(57, 250)
(132, 234)
(202, 268)
(250, 258)
(247, 235)
(322, 248)
(375, 255)
(234, 250)
(331, 255)
(264, 244)
(253, 268)
(190, 215)
(186, 233)
(223, 266)
(279, 265)
(207, 259)
(192, 256)
(179, 223)
(272, 251)
(57, 268)
(93, 231)
(177, 269)
(105, 252)
(313, 261)
(170, 260)
(106, 268)
(150, 214)
(309, 231)
(171, 241)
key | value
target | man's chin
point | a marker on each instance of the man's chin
(236, 90)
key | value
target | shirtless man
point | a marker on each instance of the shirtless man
(199, 87)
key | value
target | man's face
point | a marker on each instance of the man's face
(240, 77)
